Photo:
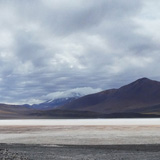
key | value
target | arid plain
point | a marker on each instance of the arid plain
(75, 139)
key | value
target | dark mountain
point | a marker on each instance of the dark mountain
(141, 96)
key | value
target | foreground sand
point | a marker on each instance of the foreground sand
(80, 135)
(89, 152)
(83, 141)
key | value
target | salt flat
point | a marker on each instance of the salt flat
(81, 132)
(85, 122)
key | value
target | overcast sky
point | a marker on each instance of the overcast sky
(52, 46)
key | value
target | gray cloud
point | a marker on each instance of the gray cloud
(47, 46)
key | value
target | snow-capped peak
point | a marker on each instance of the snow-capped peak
(76, 92)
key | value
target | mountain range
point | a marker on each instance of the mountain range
(140, 98)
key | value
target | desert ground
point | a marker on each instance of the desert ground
(94, 139)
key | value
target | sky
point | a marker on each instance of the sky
(49, 47)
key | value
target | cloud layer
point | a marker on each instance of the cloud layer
(49, 46)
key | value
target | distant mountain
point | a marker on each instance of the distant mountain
(8, 111)
(50, 104)
(57, 100)
(141, 96)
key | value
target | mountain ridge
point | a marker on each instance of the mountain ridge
(140, 93)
